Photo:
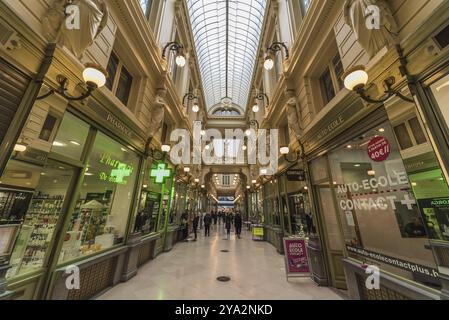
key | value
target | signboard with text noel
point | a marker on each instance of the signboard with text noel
(296, 257)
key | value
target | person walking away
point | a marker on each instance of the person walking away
(185, 225)
(238, 224)
(196, 221)
(228, 223)
(214, 216)
(207, 222)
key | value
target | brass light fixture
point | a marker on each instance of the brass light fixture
(271, 52)
(178, 49)
(94, 77)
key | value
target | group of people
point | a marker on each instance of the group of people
(229, 219)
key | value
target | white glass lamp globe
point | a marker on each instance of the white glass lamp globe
(94, 75)
(180, 60)
(268, 64)
(285, 150)
(256, 108)
(355, 78)
(195, 108)
(20, 147)
(165, 148)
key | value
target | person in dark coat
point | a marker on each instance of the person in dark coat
(215, 217)
(195, 222)
(228, 222)
(207, 223)
(238, 224)
(185, 224)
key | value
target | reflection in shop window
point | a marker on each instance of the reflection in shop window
(71, 137)
(378, 207)
(32, 196)
(101, 213)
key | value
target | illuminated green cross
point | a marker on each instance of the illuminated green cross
(160, 173)
(121, 172)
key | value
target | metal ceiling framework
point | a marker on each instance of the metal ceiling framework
(227, 35)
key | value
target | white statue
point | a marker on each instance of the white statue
(75, 25)
(157, 113)
(292, 114)
(372, 22)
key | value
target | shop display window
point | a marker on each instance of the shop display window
(71, 137)
(440, 91)
(100, 217)
(179, 202)
(301, 214)
(33, 196)
(154, 200)
(378, 208)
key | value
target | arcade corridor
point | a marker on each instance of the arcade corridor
(189, 272)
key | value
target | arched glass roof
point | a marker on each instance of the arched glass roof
(227, 35)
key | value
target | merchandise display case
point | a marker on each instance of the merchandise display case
(36, 233)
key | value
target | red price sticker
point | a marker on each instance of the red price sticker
(379, 149)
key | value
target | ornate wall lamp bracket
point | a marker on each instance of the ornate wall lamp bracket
(189, 97)
(94, 77)
(271, 51)
(177, 48)
(356, 79)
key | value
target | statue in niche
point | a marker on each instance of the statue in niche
(373, 24)
(292, 114)
(62, 27)
(157, 113)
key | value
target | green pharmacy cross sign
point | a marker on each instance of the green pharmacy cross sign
(121, 172)
(160, 173)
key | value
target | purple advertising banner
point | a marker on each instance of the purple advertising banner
(296, 258)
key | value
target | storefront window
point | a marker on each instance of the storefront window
(100, 218)
(34, 188)
(178, 206)
(377, 207)
(71, 137)
(440, 90)
(33, 196)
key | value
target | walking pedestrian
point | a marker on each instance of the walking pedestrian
(228, 222)
(195, 223)
(207, 222)
(238, 224)
(215, 217)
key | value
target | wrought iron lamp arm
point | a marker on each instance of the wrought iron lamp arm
(254, 123)
(262, 96)
(277, 46)
(91, 87)
(172, 46)
(390, 92)
(188, 96)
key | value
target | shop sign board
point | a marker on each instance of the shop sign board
(379, 149)
(296, 257)
(258, 232)
(296, 175)
(399, 263)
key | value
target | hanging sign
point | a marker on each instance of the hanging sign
(296, 175)
(379, 149)
(296, 257)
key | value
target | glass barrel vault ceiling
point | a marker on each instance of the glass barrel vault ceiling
(227, 35)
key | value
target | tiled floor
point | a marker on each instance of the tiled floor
(189, 272)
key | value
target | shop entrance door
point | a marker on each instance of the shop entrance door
(331, 235)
